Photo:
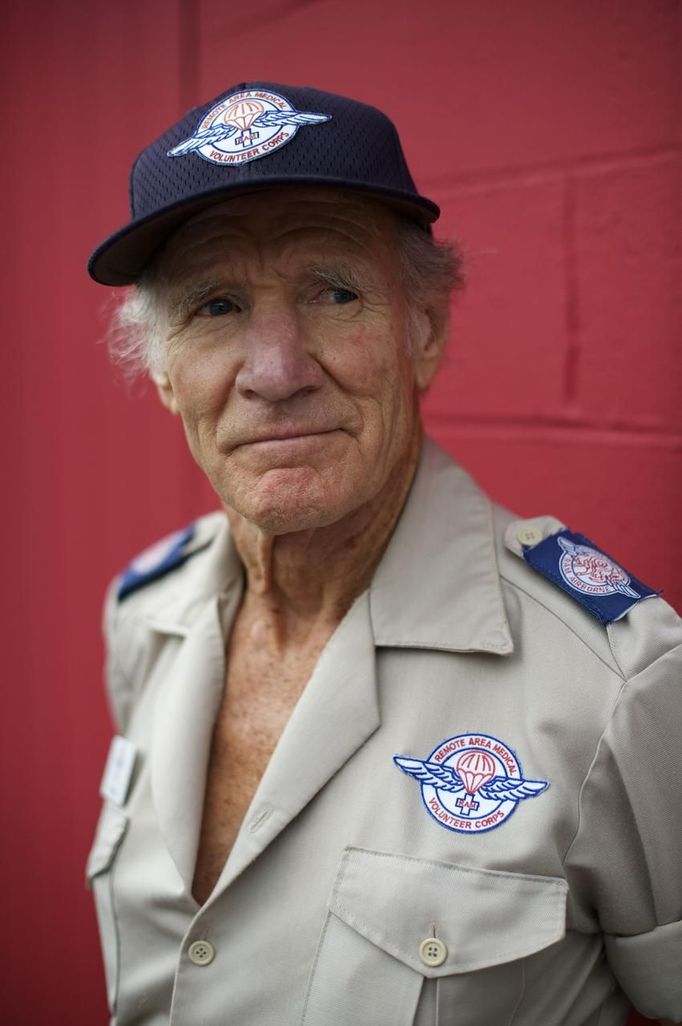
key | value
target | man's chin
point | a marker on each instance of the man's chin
(289, 499)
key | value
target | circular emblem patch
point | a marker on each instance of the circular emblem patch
(591, 572)
(245, 126)
(471, 783)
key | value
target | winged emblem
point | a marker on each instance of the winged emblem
(444, 778)
(244, 121)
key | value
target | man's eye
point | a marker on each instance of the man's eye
(217, 308)
(343, 296)
(338, 297)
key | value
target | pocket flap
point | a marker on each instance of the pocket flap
(484, 917)
(111, 828)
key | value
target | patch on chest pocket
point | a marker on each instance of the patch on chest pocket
(471, 783)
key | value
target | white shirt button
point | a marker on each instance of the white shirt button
(529, 534)
(432, 951)
(201, 952)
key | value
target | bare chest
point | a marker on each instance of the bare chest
(261, 690)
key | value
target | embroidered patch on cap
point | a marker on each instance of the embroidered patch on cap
(245, 126)
(156, 561)
(587, 574)
(471, 783)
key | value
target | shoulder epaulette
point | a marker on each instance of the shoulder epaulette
(156, 561)
(580, 568)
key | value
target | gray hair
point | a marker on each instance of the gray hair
(135, 338)
(431, 269)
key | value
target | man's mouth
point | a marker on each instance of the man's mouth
(283, 435)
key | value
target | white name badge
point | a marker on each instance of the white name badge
(118, 770)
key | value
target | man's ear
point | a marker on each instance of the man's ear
(429, 346)
(165, 391)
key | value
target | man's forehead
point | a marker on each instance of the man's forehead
(282, 213)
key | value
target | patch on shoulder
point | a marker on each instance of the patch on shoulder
(585, 572)
(156, 561)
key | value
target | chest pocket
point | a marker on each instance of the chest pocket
(372, 968)
(111, 829)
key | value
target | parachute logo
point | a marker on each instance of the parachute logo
(591, 572)
(471, 783)
(245, 126)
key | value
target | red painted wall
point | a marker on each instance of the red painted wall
(550, 134)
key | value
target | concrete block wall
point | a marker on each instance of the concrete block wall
(550, 135)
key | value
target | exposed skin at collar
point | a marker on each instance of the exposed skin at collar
(289, 362)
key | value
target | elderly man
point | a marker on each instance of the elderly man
(387, 756)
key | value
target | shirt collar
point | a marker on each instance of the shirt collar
(213, 571)
(438, 585)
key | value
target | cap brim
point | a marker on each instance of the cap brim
(123, 257)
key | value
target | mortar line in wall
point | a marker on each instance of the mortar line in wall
(478, 180)
(559, 419)
(571, 370)
(620, 433)
(190, 40)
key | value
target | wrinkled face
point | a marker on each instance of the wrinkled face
(287, 353)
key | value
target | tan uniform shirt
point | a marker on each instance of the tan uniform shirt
(540, 910)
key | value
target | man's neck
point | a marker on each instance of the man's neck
(297, 583)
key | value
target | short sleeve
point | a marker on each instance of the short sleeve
(625, 864)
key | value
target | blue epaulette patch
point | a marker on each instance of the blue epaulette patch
(156, 561)
(587, 574)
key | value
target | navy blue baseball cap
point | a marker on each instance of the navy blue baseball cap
(256, 135)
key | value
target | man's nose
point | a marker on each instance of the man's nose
(277, 358)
